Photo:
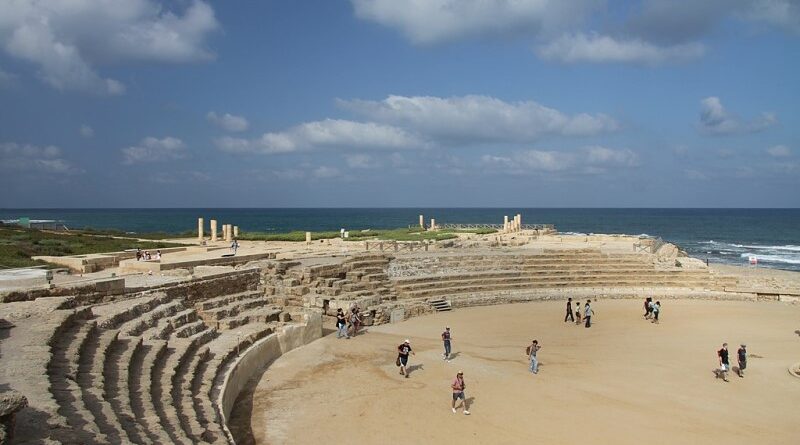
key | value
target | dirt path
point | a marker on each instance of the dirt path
(623, 381)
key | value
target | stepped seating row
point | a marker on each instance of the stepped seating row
(145, 371)
(433, 280)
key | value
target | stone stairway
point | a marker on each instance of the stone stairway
(440, 305)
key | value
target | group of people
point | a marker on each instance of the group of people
(724, 362)
(651, 309)
(588, 312)
(347, 325)
(145, 256)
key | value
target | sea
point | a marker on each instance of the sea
(731, 236)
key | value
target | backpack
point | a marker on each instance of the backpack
(528, 350)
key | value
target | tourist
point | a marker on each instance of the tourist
(138, 254)
(569, 311)
(158, 255)
(355, 320)
(648, 307)
(446, 341)
(402, 356)
(587, 314)
(577, 312)
(147, 255)
(531, 352)
(458, 392)
(742, 356)
(341, 324)
(656, 311)
(724, 364)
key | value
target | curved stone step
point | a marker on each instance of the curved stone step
(118, 386)
(161, 391)
(149, 319)
(223, 300)
(63, 371)
(141, 398)
(167, 326)
(92, 381)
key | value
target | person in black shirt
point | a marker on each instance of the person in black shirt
(724, 364)
(402, 356)
(569, 311)
(742, 356)
(341, 324)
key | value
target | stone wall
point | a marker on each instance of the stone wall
(258, 357)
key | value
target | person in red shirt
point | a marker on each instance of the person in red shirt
(458, 392)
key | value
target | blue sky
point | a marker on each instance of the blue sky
(590, 103)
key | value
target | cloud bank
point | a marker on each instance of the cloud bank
(155, 150)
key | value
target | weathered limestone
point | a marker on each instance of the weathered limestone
(200, 229)
(213, 230)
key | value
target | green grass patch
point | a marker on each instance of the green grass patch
(403, 234)
(18, 245)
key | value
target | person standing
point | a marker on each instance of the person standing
(446, 340)
(355, 320)
(532, 350)
(724, 364)
(742, 356)
(587, 313)
(569, 311)
(402, 356)
(458, 392)
(656, 311)
(647, 307)
(341, 324)
(577, 312)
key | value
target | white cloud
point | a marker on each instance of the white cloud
(329, 133)
(695, 175)
(155, 150)
(15, 157)
(715, 119)
(289, 174)
(431, 21)
(781, 13)
(476, 118)
(66, 39)
(228, 122)
(325, 172)
(87, 131)
(596, 48)
(361, 161)
(588, 160)
(779, 151)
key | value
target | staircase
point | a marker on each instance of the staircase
(440, 305)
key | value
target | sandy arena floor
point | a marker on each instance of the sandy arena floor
(624, 381)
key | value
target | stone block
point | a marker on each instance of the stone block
(397, 315)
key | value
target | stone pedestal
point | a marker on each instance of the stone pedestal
(200, 229)
(213, 230)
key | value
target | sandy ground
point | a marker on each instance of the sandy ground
(624, 381)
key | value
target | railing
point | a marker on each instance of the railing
(396, 246)
(650, 245)
(494, 226)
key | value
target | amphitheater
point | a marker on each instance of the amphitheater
(120, 359)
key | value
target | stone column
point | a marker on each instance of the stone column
(433, 224)
(422, 222)
(228, 233)
(308, 237)
(213, 230)
(519, 216)
(505, 223)
(200, 229)
(236, 231)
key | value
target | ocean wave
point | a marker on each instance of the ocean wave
(773, 258)
(788, 247)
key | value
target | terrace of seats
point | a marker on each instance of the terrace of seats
(145, 370)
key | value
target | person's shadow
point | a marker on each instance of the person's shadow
(469, 403)
(413, 368)
(454, 355)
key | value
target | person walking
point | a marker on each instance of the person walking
(531, 351)
(741, 354)
(587, 313)
(648, 302)
(355, 320)
(402, 356)
(458, 392)
(446, 340)
(341, 324)
(656, 311)
(569, 311)
(724, 364)
(577, 312)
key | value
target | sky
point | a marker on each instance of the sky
(399, 103)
